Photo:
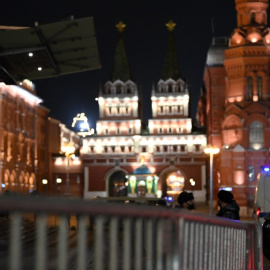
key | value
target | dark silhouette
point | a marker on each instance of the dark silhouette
(228, 206)
(185, 200)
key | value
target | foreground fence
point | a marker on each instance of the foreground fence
(121, 236)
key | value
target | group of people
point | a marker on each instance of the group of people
(228, 206)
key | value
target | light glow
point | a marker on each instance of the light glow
(211, 150)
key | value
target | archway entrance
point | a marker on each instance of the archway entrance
(175, 182)
(117, 184)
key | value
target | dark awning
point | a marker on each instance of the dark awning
(57, 49)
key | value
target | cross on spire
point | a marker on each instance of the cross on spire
(171, 25)
(120, 26)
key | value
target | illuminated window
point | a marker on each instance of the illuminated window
(197, 148)
(160, 130)
(180, 109)
(144, 149)
(259, 88)
(249, 88)
(182, 148)
(161, 109)
(180, 130)
(256, 136)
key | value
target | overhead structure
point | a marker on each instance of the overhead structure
(48, 50)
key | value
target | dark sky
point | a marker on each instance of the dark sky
(145, 38)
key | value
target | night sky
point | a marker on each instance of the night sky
(145, 38)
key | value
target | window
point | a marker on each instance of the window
(160, 130)
(144, 149)
(197, 147)
(182, 148)
(259, 88)
(118, 89)
(249, 88)
(256, 136)
(170, 130)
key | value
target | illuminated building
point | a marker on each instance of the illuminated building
(171, 151)
(237, 82)
(23, 138)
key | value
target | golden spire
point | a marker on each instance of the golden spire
(120, 26)
(171, 24)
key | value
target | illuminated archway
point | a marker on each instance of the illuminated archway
(171, 181)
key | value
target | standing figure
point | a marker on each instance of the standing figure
(185, 200)
(228, 206)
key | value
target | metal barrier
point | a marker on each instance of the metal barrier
(124, 236)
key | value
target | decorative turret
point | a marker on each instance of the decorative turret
(119, 105)
(170, 100)
(251, 23)
(171, 67)
(120, 69)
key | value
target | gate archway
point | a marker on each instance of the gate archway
(117, 184)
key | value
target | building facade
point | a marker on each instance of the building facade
(168, 151)
(237, 86)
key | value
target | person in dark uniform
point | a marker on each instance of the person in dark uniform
(185, 200)
(228, 206)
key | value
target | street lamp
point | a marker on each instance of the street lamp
(58, 181)
(69, 150)
(211, 151)
(45, 182)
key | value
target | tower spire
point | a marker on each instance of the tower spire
(171, 67)
(120, 69)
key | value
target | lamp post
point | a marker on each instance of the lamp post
(69, 150)
(211, 151)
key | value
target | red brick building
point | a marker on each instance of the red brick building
(237, 82)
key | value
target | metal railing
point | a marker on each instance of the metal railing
(51, 233)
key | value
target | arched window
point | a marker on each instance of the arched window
(249, 88)
(259, 88)
(256, 136)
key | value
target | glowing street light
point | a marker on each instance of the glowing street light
(58, 181)
(211, 151)
(45, 182)
(69, 150)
